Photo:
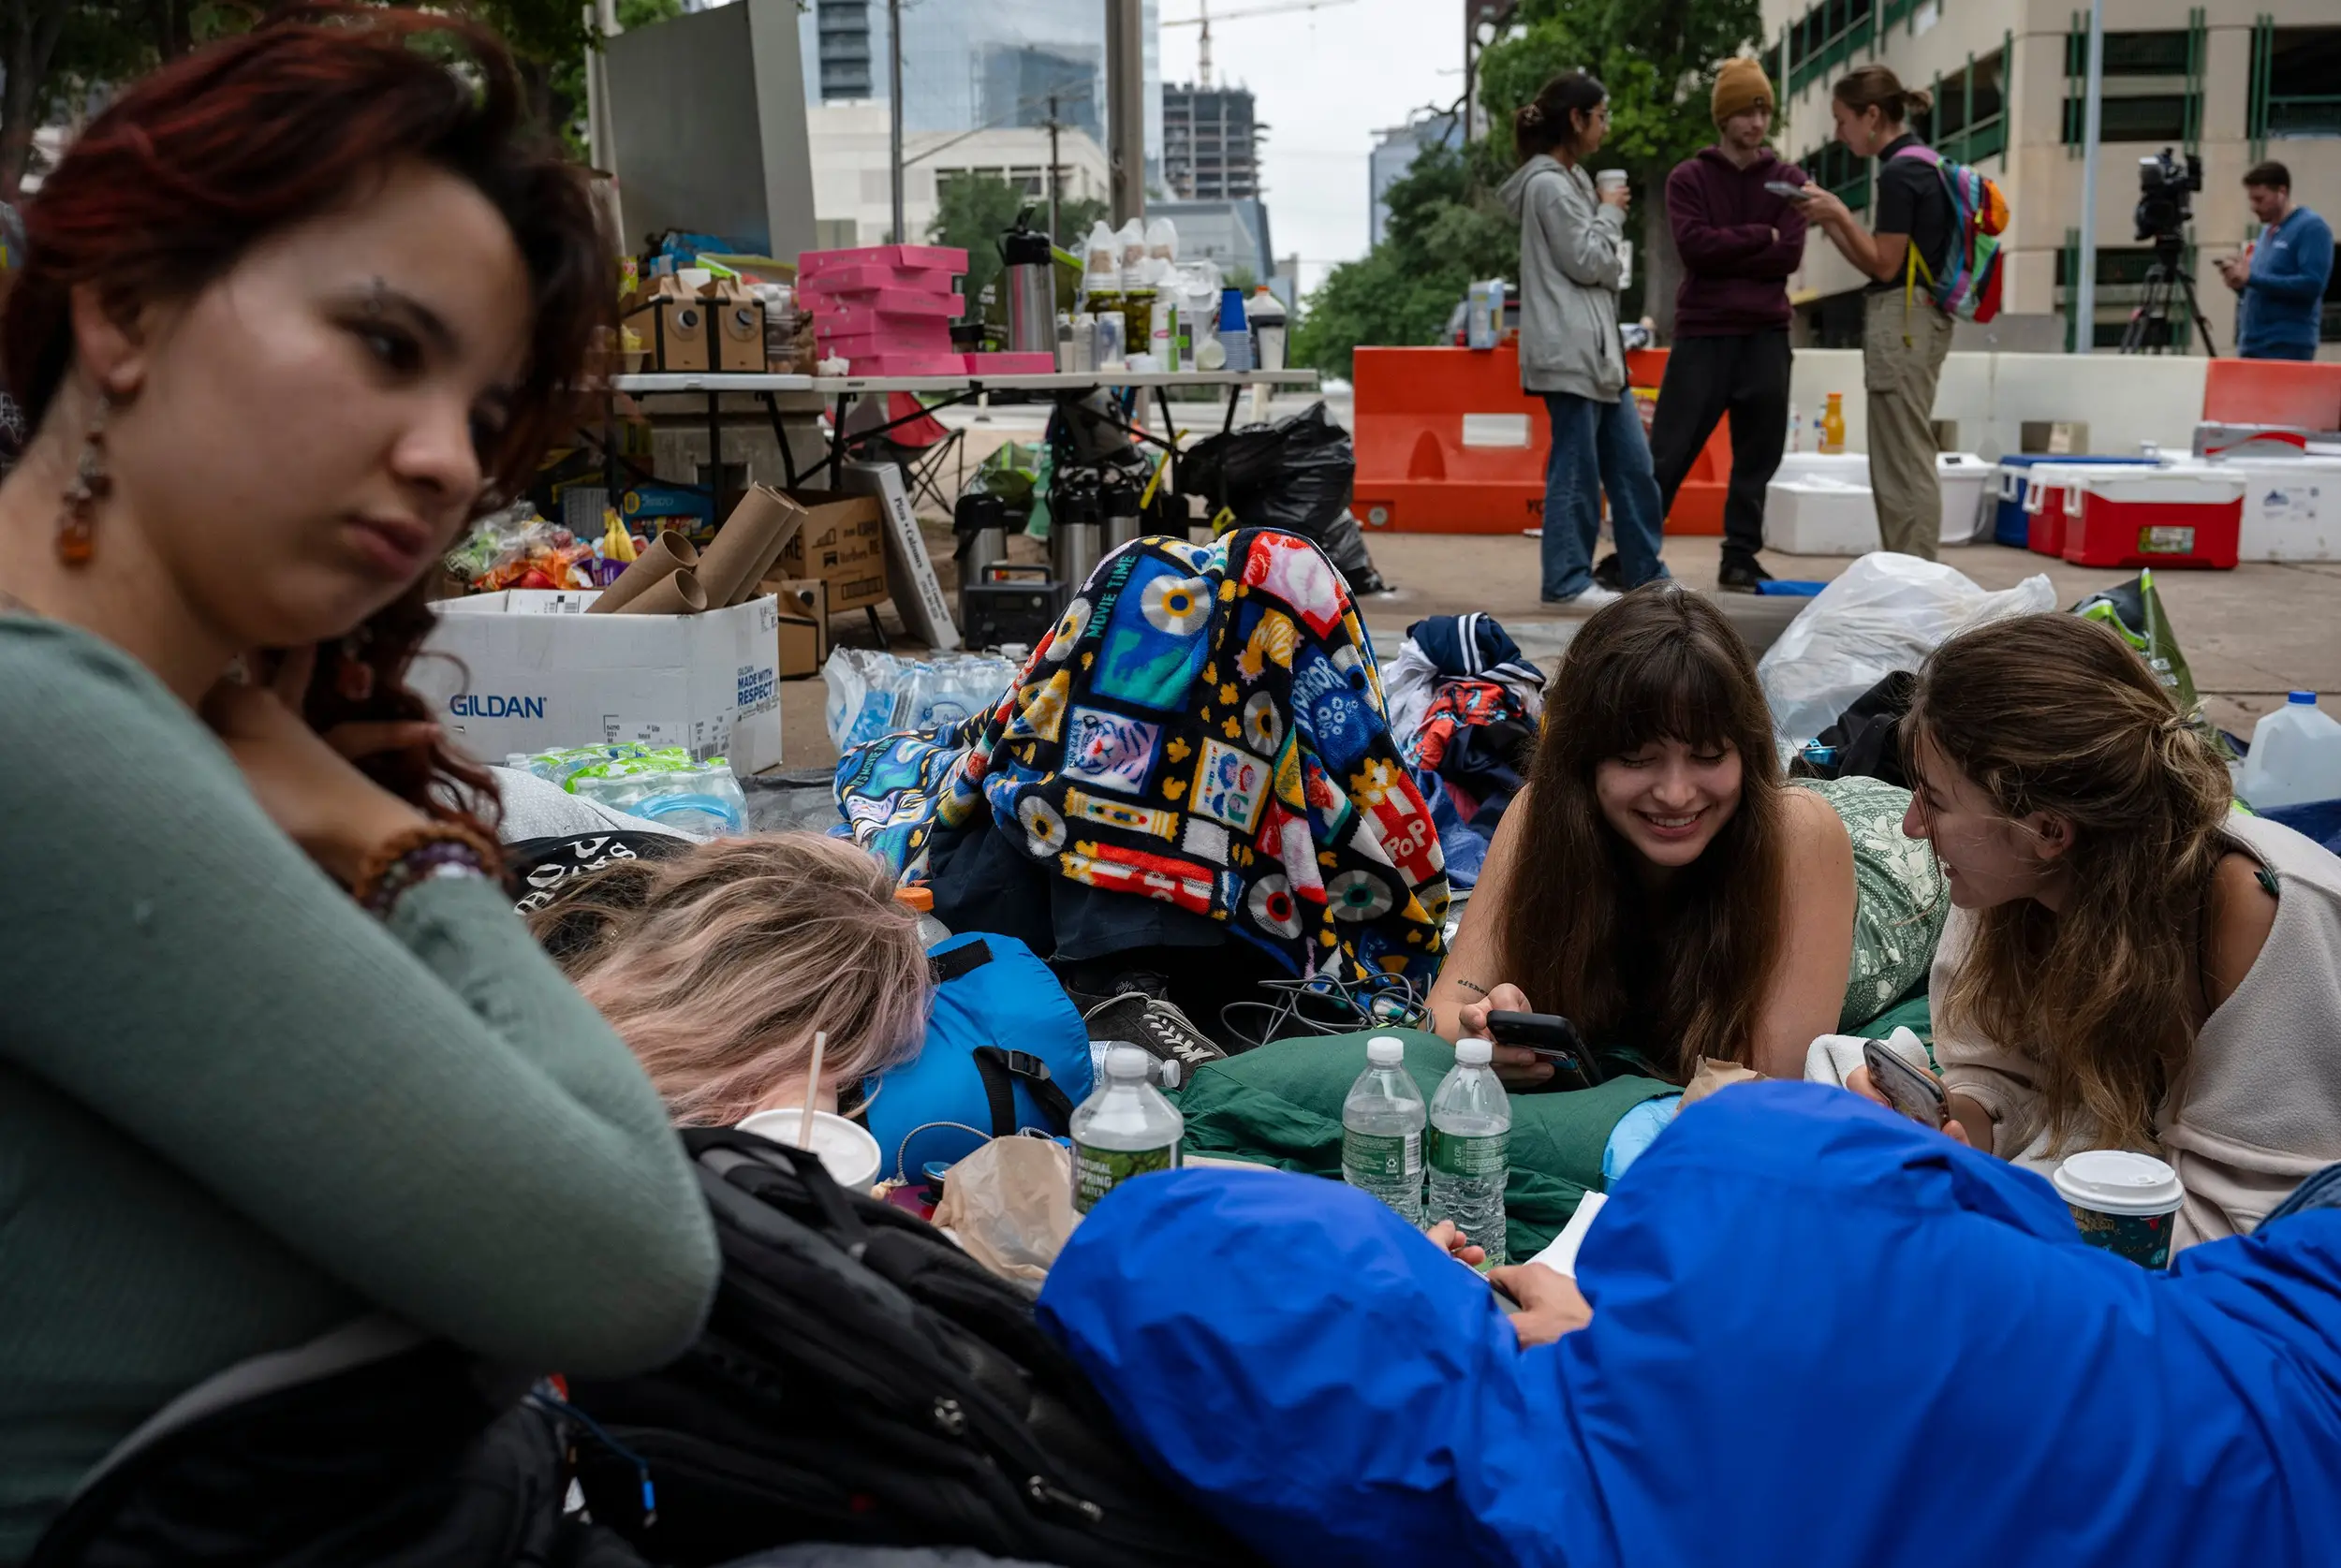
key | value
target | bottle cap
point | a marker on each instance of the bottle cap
(1126, 1063)
(1386, 1050)
(919, 897)
(1473, 1053)
(2307, 699)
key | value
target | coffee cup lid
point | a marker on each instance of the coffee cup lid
(845, 1148)
(2116, 1181)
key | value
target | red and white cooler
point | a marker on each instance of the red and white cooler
(2045, 485)
(2185, 519)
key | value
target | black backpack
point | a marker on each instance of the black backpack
(862, 1380)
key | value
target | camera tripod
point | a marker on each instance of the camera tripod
(2168, 287)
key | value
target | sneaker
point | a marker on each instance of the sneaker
(1157, 1026)
(1590, 598)
(1741, 577)
(1608, 574)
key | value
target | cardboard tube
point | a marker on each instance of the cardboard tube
(781, 538)
(666, 555)
(743, 541)
(676, 593)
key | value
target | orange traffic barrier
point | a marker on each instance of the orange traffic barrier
(1448, 443)
(2303, 394)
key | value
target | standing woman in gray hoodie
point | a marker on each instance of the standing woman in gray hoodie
(1570, 353)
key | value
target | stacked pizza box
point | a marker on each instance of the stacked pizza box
(886, 310)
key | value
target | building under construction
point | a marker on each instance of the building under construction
(1210, 143)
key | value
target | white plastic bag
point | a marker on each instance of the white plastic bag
(1886, 612)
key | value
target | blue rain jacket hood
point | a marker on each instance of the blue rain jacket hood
(1822, 1336)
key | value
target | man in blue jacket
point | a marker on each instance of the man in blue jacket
(2283, 276)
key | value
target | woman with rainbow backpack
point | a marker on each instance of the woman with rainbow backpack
(1932, 259)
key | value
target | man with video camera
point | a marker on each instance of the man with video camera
(2282, 275)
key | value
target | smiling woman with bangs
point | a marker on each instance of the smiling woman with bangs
(1660, 885)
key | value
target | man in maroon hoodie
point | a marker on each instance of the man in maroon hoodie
(1739, 242)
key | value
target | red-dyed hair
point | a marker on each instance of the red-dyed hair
(192, 166)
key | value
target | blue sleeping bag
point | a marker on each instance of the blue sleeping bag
(1005, 1049)
(1822, 1336)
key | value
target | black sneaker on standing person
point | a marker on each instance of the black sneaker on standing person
(1740, 573)
(1606, 574)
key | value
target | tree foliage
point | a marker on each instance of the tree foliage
(1657, 58)
(973, 211)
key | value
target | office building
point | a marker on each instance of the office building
(968, 67)
(1210, 143)
(853, 190)
(2232, 86)
(1232, 233)
(1393, 156)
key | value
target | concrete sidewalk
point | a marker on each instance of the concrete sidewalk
(2250, 635)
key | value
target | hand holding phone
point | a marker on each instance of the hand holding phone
(1553, 1039)
(1914, 1093)
(1782, 188)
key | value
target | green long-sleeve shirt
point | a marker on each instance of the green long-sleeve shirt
(237, 1111)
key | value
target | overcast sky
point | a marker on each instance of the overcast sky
(1324, 81)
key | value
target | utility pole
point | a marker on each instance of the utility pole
(2082, 295)
(1056, 183)
(1125, 107)
(894, 110)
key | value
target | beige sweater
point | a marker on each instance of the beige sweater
(2261, 1109)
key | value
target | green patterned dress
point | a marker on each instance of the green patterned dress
(1900, 898)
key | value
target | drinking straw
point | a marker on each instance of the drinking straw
(812, 1087)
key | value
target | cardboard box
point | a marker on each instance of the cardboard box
(674, 333)
(842, 543)
(910, 579)
(738, 334)
(526, 670)
(804, 624)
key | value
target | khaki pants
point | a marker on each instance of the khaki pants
(1900, 380)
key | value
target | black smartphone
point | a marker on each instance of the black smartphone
(1554, 1038)
(1914, 1093)
(1782, 188)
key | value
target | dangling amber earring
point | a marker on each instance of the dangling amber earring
(77, 527)
(353, 677)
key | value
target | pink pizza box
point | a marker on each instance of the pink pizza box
(948, 258)
(847, 280)
(935, 339)
(866, 302)
(909, 364)
(1011, 364)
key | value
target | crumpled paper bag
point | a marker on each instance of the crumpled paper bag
(1009, 1204)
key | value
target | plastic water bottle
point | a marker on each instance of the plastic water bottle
(1381, 1130)
(2295, 756)
(1471, 1134)
(1125, 1129)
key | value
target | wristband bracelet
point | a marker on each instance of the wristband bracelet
(421, 853)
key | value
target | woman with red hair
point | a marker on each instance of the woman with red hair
(275, 1053)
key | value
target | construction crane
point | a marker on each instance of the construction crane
(1203, 18)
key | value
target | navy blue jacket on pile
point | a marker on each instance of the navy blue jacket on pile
(1822, 1336)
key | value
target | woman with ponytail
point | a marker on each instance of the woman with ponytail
(1904, 336)
(2129, 961)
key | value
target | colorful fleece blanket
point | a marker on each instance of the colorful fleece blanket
(1204, 727)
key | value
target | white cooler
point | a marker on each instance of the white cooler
(2292, 505)
(1966, 480)
(1819, 516)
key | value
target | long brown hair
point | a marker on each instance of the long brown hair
(1680, 976)
(191, 166)
(1875, 86)
(2056, 714)
(716, 965)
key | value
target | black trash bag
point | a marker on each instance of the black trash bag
(1296, 474)
(1866, 740)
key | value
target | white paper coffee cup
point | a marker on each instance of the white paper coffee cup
(1609, 179)
(845, 1148)
(2122, 1201)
